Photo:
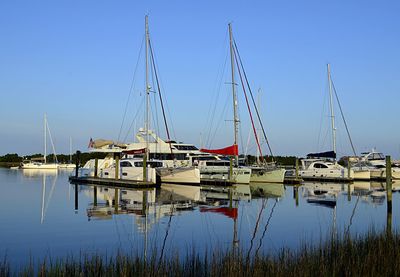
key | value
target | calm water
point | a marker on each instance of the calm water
(42, 215)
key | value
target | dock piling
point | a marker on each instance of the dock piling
(76, 198)
(95, 196)
(297, 169)
(77, 162)
(231, 169)
(389, 183)
(96, 166)
(348, 169)
(296, 194)
(144, 168)
(116, 201)
(116, 167)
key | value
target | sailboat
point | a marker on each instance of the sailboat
(144, 153)
(41, 163)
(323, 166)
(212, 170)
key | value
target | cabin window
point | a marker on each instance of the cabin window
(377, 156)
(185, 147)
(319, 165)
(125, 164)
(168, 156)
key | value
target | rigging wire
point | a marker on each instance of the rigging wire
(344, 120)
(163, 100)
(264, 203)
(224, 110)
(134, 120)
(248, 105)
(252, 98)
(159, 94)
(131, 88)
(52, 143)
(266, 227)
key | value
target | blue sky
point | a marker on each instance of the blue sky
(75, 60)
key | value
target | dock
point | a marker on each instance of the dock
(112, 182)
(292, 180)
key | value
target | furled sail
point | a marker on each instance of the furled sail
(227, 151)
(328, 154)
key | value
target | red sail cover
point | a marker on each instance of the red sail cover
(135, 151)
(227, 151)
(229, 212)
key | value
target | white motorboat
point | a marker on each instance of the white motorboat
(375, 162)
(316, 168)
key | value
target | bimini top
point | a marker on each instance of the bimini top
(328, 154)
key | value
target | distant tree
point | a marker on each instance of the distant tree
(11, 158)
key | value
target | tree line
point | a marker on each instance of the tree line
(85, 156)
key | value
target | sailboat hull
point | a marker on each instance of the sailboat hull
(221, 174)
(182, 175)
(39, 166)
(265, 175)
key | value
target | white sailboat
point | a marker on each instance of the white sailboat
(170, 171)
(212, 170)
(324, 165)
(41, 163)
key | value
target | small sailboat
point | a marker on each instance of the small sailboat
(41, 163)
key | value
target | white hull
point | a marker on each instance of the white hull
(221, 174)
(129, 173)
(39, 166)
(188, 175)
(88, 168)
(362, 174)
(66, 166)
(326, 173)
(264, 175)
(381, 173)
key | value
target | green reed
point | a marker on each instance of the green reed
(370, 255)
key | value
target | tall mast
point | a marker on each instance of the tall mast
(235, 115)
(332, 111)
(45, 141)
(147, 111)
(70, 149)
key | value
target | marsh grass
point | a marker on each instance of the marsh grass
(369, 255)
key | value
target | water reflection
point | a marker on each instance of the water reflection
(260, 217)
(35, 173)
(45, 203)
(267, 190)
